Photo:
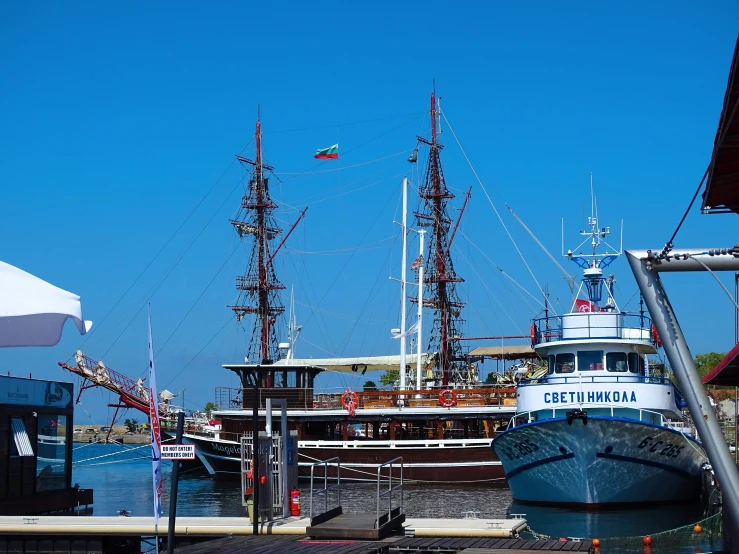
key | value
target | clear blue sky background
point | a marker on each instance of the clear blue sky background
(118, 119)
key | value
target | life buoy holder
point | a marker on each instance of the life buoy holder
(349, 398)
(533, 334)
(447, 398)
(655, 337)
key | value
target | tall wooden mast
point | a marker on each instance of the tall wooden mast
(259, 287)
(441, 278)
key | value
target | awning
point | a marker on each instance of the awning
(22, 441)
(32, 311)
(722, 185)
(511, 352)
(726, 373)
(366, 363)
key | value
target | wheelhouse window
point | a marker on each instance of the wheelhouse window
(616, 361)
(550, 364)
(564, 363)
(590, 360)
(636, 363)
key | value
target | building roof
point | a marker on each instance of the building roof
(722, 186)
(510, 352)
(726, 373)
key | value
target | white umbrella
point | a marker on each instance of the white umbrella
(32, 311)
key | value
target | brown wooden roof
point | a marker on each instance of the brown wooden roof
(722, 186)
(726, 372)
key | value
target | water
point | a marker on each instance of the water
(121, 478)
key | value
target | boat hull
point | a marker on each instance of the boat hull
(474, 462)
(606, 461)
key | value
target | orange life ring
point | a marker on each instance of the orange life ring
(447, 398)
(349, 397)
(533, 334)
(655, 337)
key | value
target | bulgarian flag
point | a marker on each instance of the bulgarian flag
(330, 153)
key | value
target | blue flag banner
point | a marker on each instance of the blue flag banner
(156, 439)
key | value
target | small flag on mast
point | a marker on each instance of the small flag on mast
(330, 153)
(156, 440)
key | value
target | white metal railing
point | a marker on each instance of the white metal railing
(514, 421)
(326, 487)
(390, 488)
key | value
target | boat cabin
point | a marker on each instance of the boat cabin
(597, 362)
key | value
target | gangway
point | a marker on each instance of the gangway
(387, 518)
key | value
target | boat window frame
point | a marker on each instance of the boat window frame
(639, 367)
(551, 362)
(625, 361)
(602, 356)
(558, 366)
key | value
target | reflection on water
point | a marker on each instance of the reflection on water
(121, 477)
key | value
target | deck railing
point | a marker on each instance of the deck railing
(306, 399)
(526, 417)
(593, 325)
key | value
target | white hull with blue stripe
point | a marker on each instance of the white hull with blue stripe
(609, 460)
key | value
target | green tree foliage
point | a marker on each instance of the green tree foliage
(210, 407)
(389, 377)
(369, 385)
(704, 363)
(492, 378)
(131, 424)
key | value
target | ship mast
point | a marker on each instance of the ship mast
(259, 287)
(441, 278)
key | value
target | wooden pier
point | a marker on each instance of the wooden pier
(265, 544)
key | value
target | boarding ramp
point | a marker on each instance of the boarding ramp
(333, 523)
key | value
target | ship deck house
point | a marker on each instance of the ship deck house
(36, 447)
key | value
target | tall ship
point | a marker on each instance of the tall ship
(598, 429)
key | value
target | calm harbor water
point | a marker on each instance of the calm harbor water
(121, 478)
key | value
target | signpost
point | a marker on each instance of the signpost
(175, 479)
(178, 452)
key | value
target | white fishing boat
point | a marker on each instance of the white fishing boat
(597, 429)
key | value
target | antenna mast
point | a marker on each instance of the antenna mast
(259, 287)
(440, 278)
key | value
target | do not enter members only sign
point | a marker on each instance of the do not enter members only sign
(178, 452)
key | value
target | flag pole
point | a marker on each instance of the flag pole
(156, 456)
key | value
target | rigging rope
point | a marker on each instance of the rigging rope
(493, 205)
(344, 167)
(717, 280)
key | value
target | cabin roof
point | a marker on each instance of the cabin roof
(364, 363)
(726, 373)
(273, 367)
(722, 185)
(509, 352)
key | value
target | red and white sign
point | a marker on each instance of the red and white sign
(178, 452)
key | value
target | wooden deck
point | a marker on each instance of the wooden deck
(266, 544)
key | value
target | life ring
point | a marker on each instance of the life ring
(655, 337)
(533, 334)
(349, 398)
(447, 398)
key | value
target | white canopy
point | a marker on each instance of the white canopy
(372, 363)
(32, 311)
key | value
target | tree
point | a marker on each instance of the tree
(131, 424)
(369, 385)
(390, 377)
(210, 407)
(704, 363)
(492, 378)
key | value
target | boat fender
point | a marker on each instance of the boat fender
(447, 398)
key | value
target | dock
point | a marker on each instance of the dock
(93, 534)
(393, 545)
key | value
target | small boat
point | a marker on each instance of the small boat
(598, 429)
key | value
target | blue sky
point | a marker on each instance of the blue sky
(118, 120)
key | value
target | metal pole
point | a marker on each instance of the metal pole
(403, 264)
(419, 344)
(285, 473)
(175, 482)
(255, 451)
(676, 348)
(736, 389)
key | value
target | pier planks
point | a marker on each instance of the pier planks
(275, 544)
